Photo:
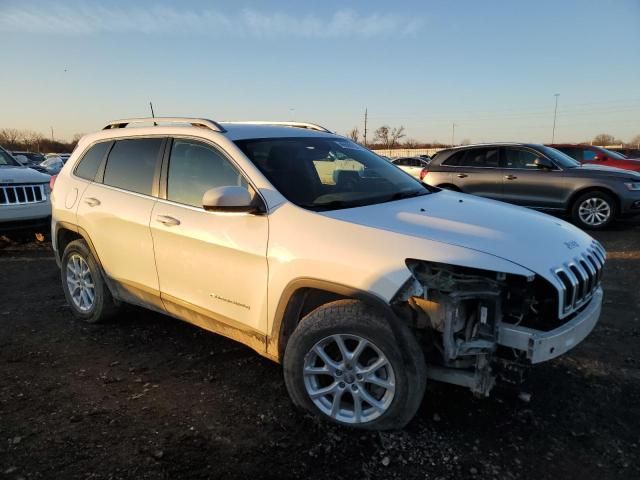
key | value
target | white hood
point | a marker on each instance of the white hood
(11, 174)
(533, 240)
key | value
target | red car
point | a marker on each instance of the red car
(598, 156)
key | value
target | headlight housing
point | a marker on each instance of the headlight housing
(633, 186)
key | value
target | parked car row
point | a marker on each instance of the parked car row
(541, 177)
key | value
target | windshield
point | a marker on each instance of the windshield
(6, 159)
(562, 159)
(329, 173)
(612, 154)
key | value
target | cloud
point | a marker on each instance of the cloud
(83, 19)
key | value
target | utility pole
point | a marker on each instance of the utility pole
(365, 127)
(453, 133)
(555, 114)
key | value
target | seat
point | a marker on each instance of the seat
(293, 175)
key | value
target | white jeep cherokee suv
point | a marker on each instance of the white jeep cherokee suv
(321, 255)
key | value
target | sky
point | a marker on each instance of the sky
(492, 68)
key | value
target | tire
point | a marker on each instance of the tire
(593, 210)
(354, 323)
(78, 258)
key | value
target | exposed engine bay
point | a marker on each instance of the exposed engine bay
(458, 311)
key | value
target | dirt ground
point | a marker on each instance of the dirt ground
(151, 397)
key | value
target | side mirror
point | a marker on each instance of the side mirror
(543, 163)
(228, 199)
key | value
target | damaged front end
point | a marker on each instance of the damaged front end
(474, 323)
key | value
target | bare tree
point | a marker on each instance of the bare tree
(412, 143)
(604, 139)
(388, 136)
(10, 137)
(635, 141)
(354, 134)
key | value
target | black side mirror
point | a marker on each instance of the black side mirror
(543, 163)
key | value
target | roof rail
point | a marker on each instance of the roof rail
(195, 122)
(309, 126)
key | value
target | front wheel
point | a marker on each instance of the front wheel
(593, 210)
(345, 363)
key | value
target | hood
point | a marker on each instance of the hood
(11, 174)
(533, 240)
(589, 169)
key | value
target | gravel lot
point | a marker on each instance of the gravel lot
(150, 397)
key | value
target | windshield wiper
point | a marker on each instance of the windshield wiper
(408, 194)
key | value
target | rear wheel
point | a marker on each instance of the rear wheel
(593, 210)
(83, 285)
(345, 363)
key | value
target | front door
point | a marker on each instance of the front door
(212, 266)
(526, 184)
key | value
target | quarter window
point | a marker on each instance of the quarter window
(132, 164)
(90, 162)
(195, 168)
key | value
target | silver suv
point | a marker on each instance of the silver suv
(319, 254)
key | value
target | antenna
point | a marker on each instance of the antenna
(153, 115)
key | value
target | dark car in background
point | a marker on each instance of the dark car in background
(31, 160)
(598, 155)
(538, 177)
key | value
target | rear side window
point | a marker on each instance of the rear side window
(480, 158)
(195, 168)
(88, 166)
(132, 164)
(588, 155)
(454, 159)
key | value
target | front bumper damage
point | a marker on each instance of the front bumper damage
(478, 326)
(541, 346)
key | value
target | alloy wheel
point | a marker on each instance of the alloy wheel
(349, 378)
(594, 211)
(80, 283)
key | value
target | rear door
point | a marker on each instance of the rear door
(115, 211)
(477, 171)
(528, 185)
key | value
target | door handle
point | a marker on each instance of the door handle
(92, 202)
(510, 177)
(462, 175)
(167, 221)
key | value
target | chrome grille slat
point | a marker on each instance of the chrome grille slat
(22, 194)
(578, 278)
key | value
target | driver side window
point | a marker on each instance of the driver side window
(520, 159)
(194, 168)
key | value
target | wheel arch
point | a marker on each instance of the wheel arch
(64, 234)
(303, 295)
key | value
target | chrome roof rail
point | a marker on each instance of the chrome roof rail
(195, 122)
(309, 126)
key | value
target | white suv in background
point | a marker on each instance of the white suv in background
(321, 255)
(24, 196)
